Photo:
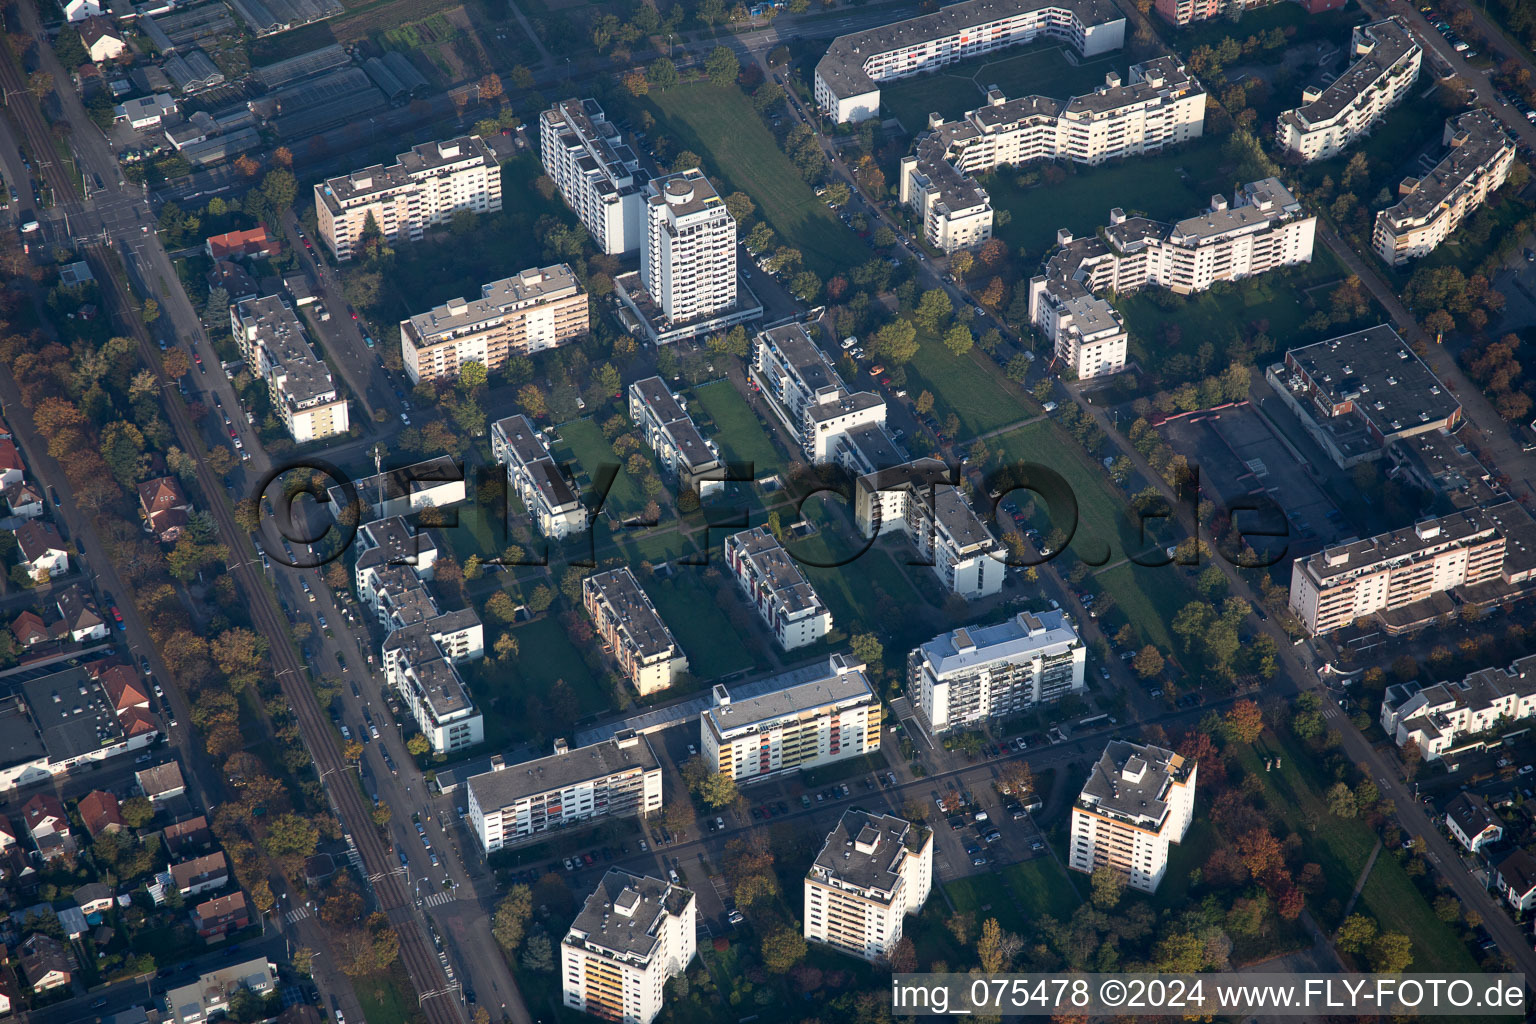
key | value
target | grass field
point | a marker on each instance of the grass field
(1040, 70)
(545, 654)
(1099, 510)
(1342, 846)
(1170, 186)
(699, 624)
(384, 999)
(862, 585)
(740, 436)
(1283, 299)
(1149, 597)
(721, 126)
(968, 385)
(1044, 887)
(583, 441)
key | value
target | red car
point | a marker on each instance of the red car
(116, 615)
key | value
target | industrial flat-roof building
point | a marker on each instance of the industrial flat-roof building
(1162, 105)
(817, 722)
(873, 870)
(273, 344)
(1431, 207)
(598, 174)
(969, 676)
(1357, 393)
(57, 722)
(1331, 118)
(520, 803)
(775, 586)
(673, 436)
(536, 309)
(1138, 799)
(633, 934)
(533, 476)
(632, 631)
(848, 77)
(423, 188)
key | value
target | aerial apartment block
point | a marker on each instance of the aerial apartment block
(1185, 12)
(273, 344)
(672, 435)
(521, 803)
(974, 675)
(1138, 799)
(422, 189)
(598, 174)
(831, 716)
(1442, 719)
(1264, 228)
(1162, 105)
(1359, 393)
(921, 499)
(423, 645)
(634, 933)
(1331, 118)
(689, 263)
(848, 77)
(1405, 579)
(1431, 207)
(873, 870)
(402, 491)
(538, 309)
(776, 587)
(533, 476)
(807, 394)
(632, 631)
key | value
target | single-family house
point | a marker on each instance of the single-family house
(45, 962)
(201, 874)
(161, 782)
(41, 550)
(102, 39)
(221, 915)
(23, 499)
(79, 618)
(1472, 821)
(164, 507)
(236, 245)
(12, 469)
(99, 812)
(29, 630)
(1515, 878)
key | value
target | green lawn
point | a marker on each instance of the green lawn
(721, 126)
(700, 625)
(969, 386)
(1283, 299)
(1149, 597)
(1169, 186)
(426, 273)
(1043, 887)
(545, 654)
(1041, 70)
(384, 999)
(737, 431)
(860, 583)
(1342, 846)
(1100, 521)
(583, 441)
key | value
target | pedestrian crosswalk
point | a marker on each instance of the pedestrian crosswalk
(437, 899)
(296, 915)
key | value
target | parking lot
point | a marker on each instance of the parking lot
(1238, 453)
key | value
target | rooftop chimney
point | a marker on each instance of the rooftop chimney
(561, 746)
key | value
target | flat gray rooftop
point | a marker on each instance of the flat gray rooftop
(497, 789)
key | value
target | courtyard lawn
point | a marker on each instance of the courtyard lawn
(1038, 70)
(721, 126)
(863, 587)
(1283, 300)
(441, 267)
(699, 623)
(983, 896)
(1100, 519)
(737, 431)
(546, 654)
(1169, 186)
(969, 386)
(583, 441)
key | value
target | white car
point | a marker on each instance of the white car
(405, 419)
